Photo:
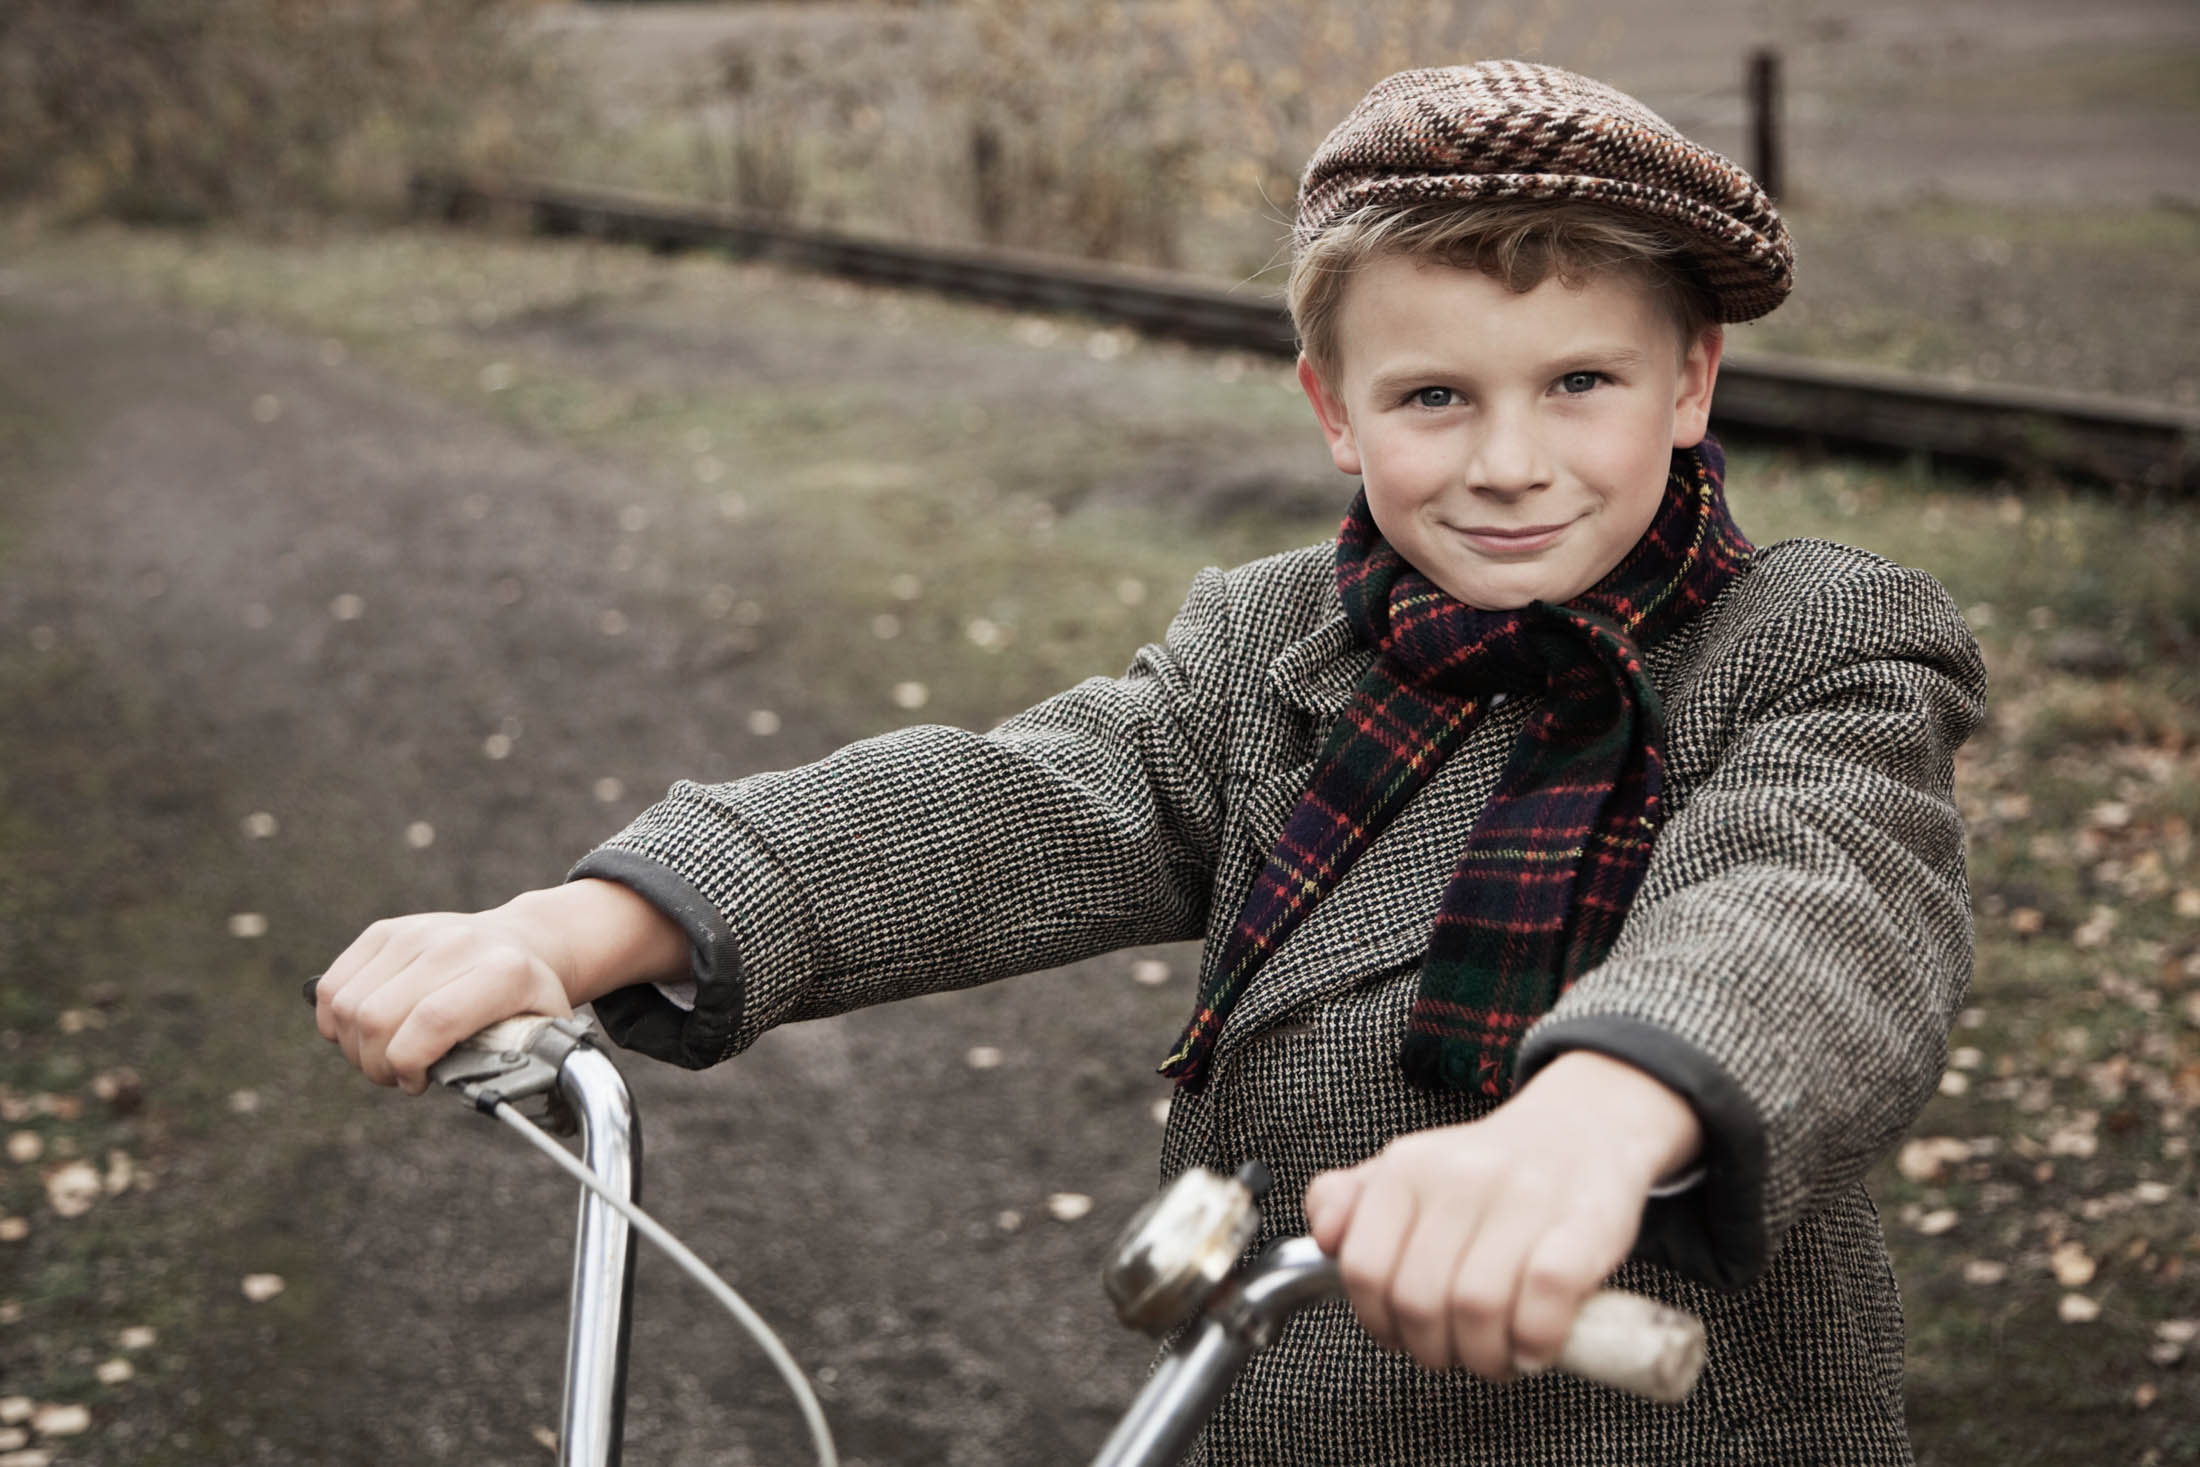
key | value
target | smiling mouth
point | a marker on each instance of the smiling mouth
(1524, 541)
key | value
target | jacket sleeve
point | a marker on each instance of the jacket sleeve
(935, 858)
(1802, 937)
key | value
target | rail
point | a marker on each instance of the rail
(2109, 440)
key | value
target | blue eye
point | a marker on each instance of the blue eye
(1574, 384)
(1434, 397)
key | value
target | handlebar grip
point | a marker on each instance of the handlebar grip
(1636, 1345)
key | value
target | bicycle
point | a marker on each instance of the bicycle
(1177, 1261)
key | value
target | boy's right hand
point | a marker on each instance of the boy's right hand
(409, 989)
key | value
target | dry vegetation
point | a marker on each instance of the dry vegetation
(188, 110)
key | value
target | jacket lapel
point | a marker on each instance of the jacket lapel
(1379, 915)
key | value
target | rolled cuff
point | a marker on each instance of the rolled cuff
(1714, 1232)
(640, 1017)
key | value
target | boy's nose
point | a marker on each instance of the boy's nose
(1508, 458)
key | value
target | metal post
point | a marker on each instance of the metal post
(602, 1312)
(1764, 119)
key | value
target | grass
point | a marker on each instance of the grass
(994, 525)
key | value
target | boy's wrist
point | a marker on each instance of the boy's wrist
(1650, 1124)
(599, 936)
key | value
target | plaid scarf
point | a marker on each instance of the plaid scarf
(1540, 891)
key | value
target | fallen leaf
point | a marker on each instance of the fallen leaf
(2178, 1331)
(261, 1287)
(120, 1088)
(14, 1229)
(545, 1438)
(2073, 1267)
(12, 1437)
(56, 1418)
(137, 1337)
(1985, 1271)
(982, 1057)
(2109, 815)
(2026, 920)
(1927, 1158)
(16, 1409)
(72, 1187)
(1008, 1220)
(1936, 1222)
(2143, 1394)
(247, 924)
(25, 1146)
(1966, 1058)
(2187, 902)
(420, 835)
(115, 1371)
(1955, 1082)
(1149, 972)
(28, 1457)
(2095, 930)
(2077, 1309)
(1068, 1206)
(244, 1102)
(2151, 1193)
(2164, 1353)
(121, 1172)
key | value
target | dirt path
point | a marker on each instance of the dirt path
(196, 513)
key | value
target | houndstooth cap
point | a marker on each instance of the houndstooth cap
(1519, 130)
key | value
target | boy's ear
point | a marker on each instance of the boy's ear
(1344, 449)
(1699, 374)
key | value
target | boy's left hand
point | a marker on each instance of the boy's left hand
(1476, 1245)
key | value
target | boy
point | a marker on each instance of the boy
(1581, 886)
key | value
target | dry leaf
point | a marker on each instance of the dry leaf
(982, 1057)
(12, 1437)
(25, 1146)
(545, 1438)
(261, 1287)
(2187, 902)
(2109, 815)
(121, 1172)
(1966, 1058)
(14, 1229)
(244, 1102)
(1008, 1220)
(2151, 1193)
(1936, 1222)
(1068, 1206)
(2025, 920)
(2095, 930)
(72, 1188)
(1955, 1082)
(16, 1409)
(1985, 1271)
(2077, 1309)
(28, 1457)
(2073, 1267)
(2143, 1394)
(2178, 1331)
(57, 1418)
(1927, 1158)
(137, 1337)
(115, 1371)
(1149, 972)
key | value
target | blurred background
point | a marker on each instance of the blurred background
(353, 563)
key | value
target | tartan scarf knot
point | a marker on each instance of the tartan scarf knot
(1553, 861)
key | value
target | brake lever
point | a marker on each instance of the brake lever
(513, 1060)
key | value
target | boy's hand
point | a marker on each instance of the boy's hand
(410, 988)
(1476, 1245)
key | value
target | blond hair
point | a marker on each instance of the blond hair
(1521, 243)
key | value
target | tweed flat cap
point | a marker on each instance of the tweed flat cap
(1518, 130)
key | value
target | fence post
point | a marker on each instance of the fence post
(1764, 119)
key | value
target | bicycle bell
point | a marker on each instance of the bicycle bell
(1182, 1245)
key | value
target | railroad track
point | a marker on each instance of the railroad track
(2106, 440)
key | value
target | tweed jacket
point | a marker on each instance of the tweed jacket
(1791, 963)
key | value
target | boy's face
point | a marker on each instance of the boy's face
(1514, 447)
